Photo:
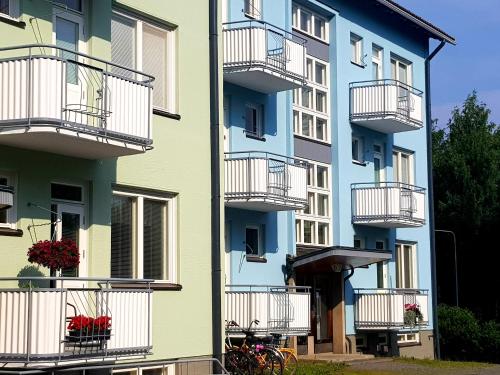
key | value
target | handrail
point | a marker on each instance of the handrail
(289, 35)
(51, 46)
(63, 278)
(385, 184)
(388, 82)
(395, 290)
(265, 155)
(251, 286)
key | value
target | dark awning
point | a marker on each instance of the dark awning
(339, 258)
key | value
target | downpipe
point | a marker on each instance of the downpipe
(215, 185)
(430, 187)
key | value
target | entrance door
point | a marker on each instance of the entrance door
(70, 225)
(322, 301)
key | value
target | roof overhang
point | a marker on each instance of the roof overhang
(339, 258)
(433, 31)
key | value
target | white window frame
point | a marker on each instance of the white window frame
(404, 338)
(172, 104)
(312, 213)
(11, 212)
(400, 264)
(396, 61)
(297, 11)
(259, 120)
(171, 251)
(360, 149)
(300, 109)
(252, 9)
(167, 370)
(378, 60)
(14, 11)
(397, 165)
(260, 250)
(356, 53)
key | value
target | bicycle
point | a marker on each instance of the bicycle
(290, 360)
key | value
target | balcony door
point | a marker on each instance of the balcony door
(401, 72)
(378, 164)
(68, 35)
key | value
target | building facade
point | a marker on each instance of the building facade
(361, 241)
(96, 117)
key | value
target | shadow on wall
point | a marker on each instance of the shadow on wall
(32, 271)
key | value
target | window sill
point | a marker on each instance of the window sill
(256, 259)
(407, 344)
(361, 163)
(359, 65)
(257, 138)
(11, 232)
(163, 113)
(252, 16)
(152, 286)
(12, 21)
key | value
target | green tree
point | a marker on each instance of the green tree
(466, 168)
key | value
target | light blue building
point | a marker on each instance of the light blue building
(337, 89)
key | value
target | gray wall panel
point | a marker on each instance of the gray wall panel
(313, 150)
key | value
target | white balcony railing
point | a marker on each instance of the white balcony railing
(387, 106)
(34, 319)
(6, 197)
(279, 309)
(264, 181)
(390, 308)
(388, 205)
(263, 57)
(64, 102)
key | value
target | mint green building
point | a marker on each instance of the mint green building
(105, 140)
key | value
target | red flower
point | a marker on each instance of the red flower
(81, 323)
(102, 323)
(55, 255)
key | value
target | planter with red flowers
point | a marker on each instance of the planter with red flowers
(86, 329)
(412, 315)
(55, 255)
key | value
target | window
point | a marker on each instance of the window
(313, 223)
(8, 216)
(162, 370)
(407, 338)
(357, 150)
(311, 102)
(143, 241)
(9, 9)
(64, 192)
(141, 46)
(253, 241)
(402, 166)
(254, 120)
(5, 7)
(75, 5)
(356, 49)
(358, 243)
(309, 23)
(377, 66)
(253, 9)
(401, 70)
(406, 266)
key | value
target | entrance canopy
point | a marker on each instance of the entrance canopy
(339, 258)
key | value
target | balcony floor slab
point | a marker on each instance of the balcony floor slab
(386, 124)
(260, 79)
(264, 205)
(389, 224)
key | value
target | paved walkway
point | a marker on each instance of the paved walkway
(330, 357)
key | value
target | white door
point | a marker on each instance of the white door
(70, 225)
(227, 249)
(226, 123)
(68, 34)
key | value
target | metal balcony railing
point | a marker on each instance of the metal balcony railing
(390, 308)
(256, 44)
(6, 197)
(255, 176)
(56, 87)
(78, 319)
(279, 309)
(388, 204)
(394, 102)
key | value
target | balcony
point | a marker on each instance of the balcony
(262, 57)
(387, 106)
(34, 319)
(68, 103)
(388, 205)
(6, 197)
(389, 308)
(279, 309)
(262, 181)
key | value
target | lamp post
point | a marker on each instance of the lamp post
(456, 267)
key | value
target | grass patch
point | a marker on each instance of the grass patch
(441, 364)
(332, 368)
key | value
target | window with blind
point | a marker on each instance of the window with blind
(145, 47)
(143, 237)
(406, 266)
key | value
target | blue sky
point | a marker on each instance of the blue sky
(474, 63)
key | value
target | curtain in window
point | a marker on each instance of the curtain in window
(154, 61)
(123, 44)
(4, 7)
(154, 239)
(122, 238)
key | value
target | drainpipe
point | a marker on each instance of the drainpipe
(215, 183)
(428, 114)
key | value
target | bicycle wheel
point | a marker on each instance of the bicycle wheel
(290, 362)
(237, 363)
(270, 362)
